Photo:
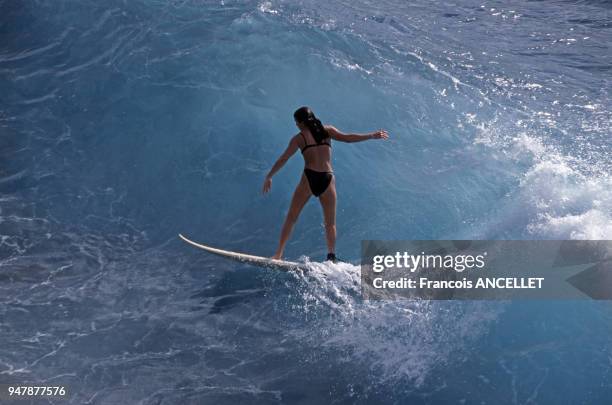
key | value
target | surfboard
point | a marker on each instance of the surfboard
(250, 259)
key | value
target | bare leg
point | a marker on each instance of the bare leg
(328, 203)
(300, 197)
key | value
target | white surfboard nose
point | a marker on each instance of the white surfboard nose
(250, 259)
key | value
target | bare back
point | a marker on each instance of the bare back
(316, 156)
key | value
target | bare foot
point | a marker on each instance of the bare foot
(277, 256)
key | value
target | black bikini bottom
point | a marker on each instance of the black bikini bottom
(318, 181)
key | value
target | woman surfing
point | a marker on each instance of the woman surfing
(314, 141)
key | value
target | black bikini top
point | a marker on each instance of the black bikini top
(312, 145)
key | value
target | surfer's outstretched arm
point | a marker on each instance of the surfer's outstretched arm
(350, 138)
(291, 149)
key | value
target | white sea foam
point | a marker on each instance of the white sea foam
(394, 340)
(558, 196)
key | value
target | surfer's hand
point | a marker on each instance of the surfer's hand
(380, 134)
(267, 185)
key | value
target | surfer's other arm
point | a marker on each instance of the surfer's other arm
(339, 136)
(291, 149)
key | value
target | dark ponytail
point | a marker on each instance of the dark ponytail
(307, 117)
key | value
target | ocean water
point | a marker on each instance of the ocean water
(123, 123)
